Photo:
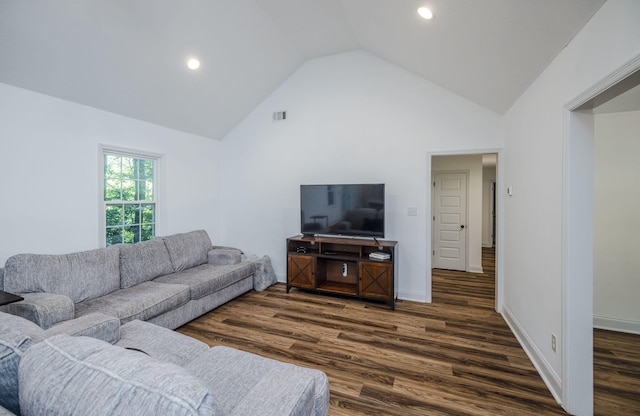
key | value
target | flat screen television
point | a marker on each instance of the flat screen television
(352, 210)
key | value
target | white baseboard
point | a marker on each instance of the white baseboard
(415, 297)
(475, 269)
(550, 378)
(619, 325)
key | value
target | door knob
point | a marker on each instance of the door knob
(462, 226)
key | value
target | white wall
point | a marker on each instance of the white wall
(49, 173)
(350, 118)
(616, 230)
(533, 230)
(472, 164)
(488, 179)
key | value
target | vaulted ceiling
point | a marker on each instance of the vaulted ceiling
(129, 56)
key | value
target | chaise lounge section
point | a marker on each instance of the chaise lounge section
(150, 370)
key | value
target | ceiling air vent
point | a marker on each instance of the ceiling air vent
(279, 116)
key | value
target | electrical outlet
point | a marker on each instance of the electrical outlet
(553, 342)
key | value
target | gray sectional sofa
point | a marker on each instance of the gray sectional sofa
(149, 371)
(78, 343)
(168, 281)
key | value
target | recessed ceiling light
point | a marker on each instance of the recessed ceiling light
(193, 63)
(425, 13)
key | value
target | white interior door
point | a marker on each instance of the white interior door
(449, 221)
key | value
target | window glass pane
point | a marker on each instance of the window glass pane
(128, 168)
(131, 234)
(114, 236)
(131, 214)
(112, 188)
(112, 167)
(128, 190)
(141, 191)
(147, 232)
(114, 215)
(148, 213)
(146, 169)
(148, 190)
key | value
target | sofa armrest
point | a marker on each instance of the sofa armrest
(94, 325)
(45, 309)
(220, 256)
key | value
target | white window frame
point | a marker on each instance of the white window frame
(158, 186)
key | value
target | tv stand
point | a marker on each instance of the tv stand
(342, 266)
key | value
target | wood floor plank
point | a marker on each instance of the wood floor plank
(455, 356)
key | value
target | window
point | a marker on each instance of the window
(330, 196)
(129, 197)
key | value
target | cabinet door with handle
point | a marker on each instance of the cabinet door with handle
(376, 280)
(300, 271)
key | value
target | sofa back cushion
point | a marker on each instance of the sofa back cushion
(13, 343)
(81, 376)
(80, 276)
(188, 250)
(143, 261)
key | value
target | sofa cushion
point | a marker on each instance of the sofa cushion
(13, 343)
(265, 276)
(226, 255)
(160, 343)
(45, 309)
(188, 249)
(94, 325)
(143, 261)
(143, 301)
(82, 376)
(18, 324)
(247, 384)
(206, 279)
(80, 276)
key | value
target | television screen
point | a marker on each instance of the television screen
(355, 210)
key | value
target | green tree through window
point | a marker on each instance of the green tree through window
(129, 199)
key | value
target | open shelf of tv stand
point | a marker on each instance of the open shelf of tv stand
(342, 266)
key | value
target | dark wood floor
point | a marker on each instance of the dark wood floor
(455, 356)
(616, 373)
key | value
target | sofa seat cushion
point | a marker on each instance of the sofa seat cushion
(248, 384)
(206, 278)
(143, 261)
(160, 343)
(83, 376)
(143, 301)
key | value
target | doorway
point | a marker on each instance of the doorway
(578, 231)
(482, 221)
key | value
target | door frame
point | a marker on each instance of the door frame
(577, 245)
(466, 214)
(499, 279)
